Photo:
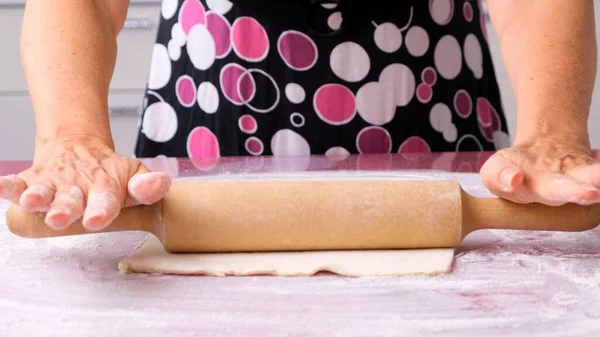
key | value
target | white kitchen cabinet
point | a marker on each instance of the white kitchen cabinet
(18, 125)
(17, 128)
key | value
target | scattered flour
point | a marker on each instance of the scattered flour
(515, 283)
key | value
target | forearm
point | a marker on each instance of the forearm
(69, 50)
(549, 50)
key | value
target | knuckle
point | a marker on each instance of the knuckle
(71, 195)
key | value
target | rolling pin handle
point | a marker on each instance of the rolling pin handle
(497, 213)
(28, 224)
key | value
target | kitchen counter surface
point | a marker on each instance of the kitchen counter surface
(503, 283)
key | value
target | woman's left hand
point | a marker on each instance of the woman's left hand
(545, 171)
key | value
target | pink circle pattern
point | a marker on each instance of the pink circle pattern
(488, 118)
(484, 111)
(463, 105)
(424, 93)
(248, 124)
(414, 144)
(374, 139)
(186, 91)
(192, 12)
(202, 143)
(335, 104)
(254, 146)
(234, 81)
(468, 11)
(429, 76)
(220, 30)
(298, 50)
(249, 38)
(425, 89)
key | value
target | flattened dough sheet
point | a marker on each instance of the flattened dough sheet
(152, 258)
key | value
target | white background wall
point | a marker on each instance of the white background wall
(17, 126)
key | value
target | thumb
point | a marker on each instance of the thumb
(146, 187)
(502, 176)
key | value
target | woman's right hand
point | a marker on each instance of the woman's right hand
(82, 177)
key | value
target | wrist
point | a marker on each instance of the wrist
(86, 138)
(564, 125)
(572, 135)
(84, 124)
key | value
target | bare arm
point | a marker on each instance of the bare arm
(549, 49)
(68, 51)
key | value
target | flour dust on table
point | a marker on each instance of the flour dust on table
(503, 283)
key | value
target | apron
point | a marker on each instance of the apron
(293, 78)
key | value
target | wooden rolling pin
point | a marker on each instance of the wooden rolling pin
(284, 215)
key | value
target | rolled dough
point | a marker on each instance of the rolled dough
(152, 258)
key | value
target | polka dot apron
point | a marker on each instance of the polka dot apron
(244, 78)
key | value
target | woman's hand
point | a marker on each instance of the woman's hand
(82, 177)
(547, 171)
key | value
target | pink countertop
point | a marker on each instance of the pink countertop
(503, 283)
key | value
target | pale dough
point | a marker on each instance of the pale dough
(152, 258)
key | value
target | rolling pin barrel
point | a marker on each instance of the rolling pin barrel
(279, 215)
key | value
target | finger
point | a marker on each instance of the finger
(147, 188)
(11, 188)
(502, 177)
(37, 197)
(66, 208)
(102, 208)
(559, 189)
(589, 174)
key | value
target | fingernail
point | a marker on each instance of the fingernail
(36, 198)
(99, 205)
(593, 194)
(8, 184)
(507, 176)
(148, 187)
(58, 219)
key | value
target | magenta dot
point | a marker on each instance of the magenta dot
(186, 91)
(484, 111)
(424, 93)
(220, 30)
(462, 103)
(429, 76)
(297, 50)
(254, 146)
(192, 12)
(483, 25)
(414, 144)
(248, 124)
(374, 139)
(488, 130)
(250, 40)
(234, 76)
(202, 143)
(468, 11)
(335, 104)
